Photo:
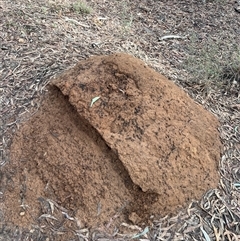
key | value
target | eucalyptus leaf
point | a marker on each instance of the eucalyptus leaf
(47, 216)
(146, 230)
(94, 100)
(205, 234)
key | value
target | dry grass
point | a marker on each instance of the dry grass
(42, 38)
(213, 64)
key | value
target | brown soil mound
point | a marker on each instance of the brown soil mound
(144, 147)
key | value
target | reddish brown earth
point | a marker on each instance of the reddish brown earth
(144, 147)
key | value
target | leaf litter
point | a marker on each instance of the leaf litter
(39, 40)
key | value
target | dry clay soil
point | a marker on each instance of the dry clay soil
(143, 148)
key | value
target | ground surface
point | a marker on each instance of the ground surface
(39, 39)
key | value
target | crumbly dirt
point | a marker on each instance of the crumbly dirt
(121, 160)
(64, 159)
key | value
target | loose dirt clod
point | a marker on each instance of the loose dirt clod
(143, 148)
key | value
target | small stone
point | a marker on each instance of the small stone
(134, 218)
(21, 40)
(22, 213)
